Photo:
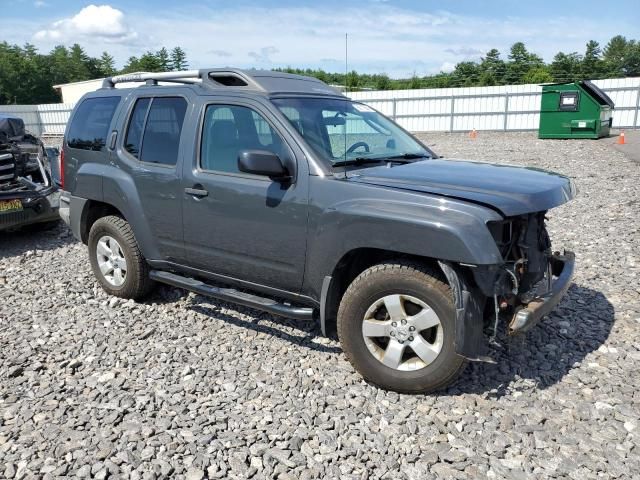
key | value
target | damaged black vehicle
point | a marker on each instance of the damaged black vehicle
(28, 195)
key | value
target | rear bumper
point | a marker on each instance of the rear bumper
(36, 209)
(563, 268)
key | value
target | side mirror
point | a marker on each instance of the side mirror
(262, 162)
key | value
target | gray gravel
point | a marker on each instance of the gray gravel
(183, 386)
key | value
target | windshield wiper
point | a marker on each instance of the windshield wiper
(408, 156)
(392, 158)
(358, 161)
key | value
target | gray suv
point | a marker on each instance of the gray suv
(276, 192)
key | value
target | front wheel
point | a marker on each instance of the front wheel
(396, 325)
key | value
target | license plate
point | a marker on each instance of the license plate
(8, 206)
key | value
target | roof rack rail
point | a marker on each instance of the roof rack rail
(262, 81)
(186, 76)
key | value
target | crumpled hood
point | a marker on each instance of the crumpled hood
(512, 190)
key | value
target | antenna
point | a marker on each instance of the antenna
(346, 62)
(346, 89)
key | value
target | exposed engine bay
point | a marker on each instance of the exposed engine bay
(529, 270)
(23, 162)
(26, 186)
(526, 249)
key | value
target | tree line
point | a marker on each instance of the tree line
(27, 76)
(620, 57)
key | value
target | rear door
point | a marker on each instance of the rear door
(150, 149)
(239, 225)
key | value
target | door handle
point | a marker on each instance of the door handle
(196, 192)
(112, 140)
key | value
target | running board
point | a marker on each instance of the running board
(231, 295)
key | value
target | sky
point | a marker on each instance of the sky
(399, 38)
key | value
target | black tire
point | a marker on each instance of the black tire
(404, 279)
(137, 283)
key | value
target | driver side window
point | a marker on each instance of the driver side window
(229, 129)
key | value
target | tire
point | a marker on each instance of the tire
(424, 300)
(115, 233)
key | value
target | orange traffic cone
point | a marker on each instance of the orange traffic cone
(621, 138)
(473, 134)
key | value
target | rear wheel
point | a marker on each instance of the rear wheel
(116, 259)
(396, 324)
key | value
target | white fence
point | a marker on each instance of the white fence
(508, 108)
(42, 120)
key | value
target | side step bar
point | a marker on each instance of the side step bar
(231, 295)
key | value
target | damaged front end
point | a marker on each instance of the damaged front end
(532, 279)
(27, 192)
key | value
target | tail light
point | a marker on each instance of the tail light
(61, 168)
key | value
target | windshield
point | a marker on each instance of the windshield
(344, 132)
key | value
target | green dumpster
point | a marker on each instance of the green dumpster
(575, 110)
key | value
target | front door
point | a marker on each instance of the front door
(239, 225)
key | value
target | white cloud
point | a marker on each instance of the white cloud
(264, 55)
(101, 22)
(40, 4)
(446, 67)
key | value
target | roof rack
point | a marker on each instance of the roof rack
(186, 76)
(257, 80)
(213, 77)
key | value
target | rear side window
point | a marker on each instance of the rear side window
(90, 125)
(155, 125)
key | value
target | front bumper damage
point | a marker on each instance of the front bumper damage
(562, 270)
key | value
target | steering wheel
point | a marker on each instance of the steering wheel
(358, 145)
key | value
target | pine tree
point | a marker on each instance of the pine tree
(178, 59)
(106, 64)
(163, 59)
(614, 56)
(132, 65)
(592, 64)
(492, 68)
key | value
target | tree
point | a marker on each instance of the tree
(614, 54)
(163, 59)
(631, 62)
(178, 59)
(566, 67)
(592, 65)
(353, 81)
(492, 68)
(132, 65)
(538, 75)
(78, 64)
(466, 74)
(381, 82)
(107, 64)
(520, 62)
(149, 62)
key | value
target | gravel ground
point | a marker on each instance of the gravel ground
(185, 386)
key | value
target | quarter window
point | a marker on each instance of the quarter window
(90, 125)
(136, 126)
(228, 130)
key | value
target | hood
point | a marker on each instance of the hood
(511, 190)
